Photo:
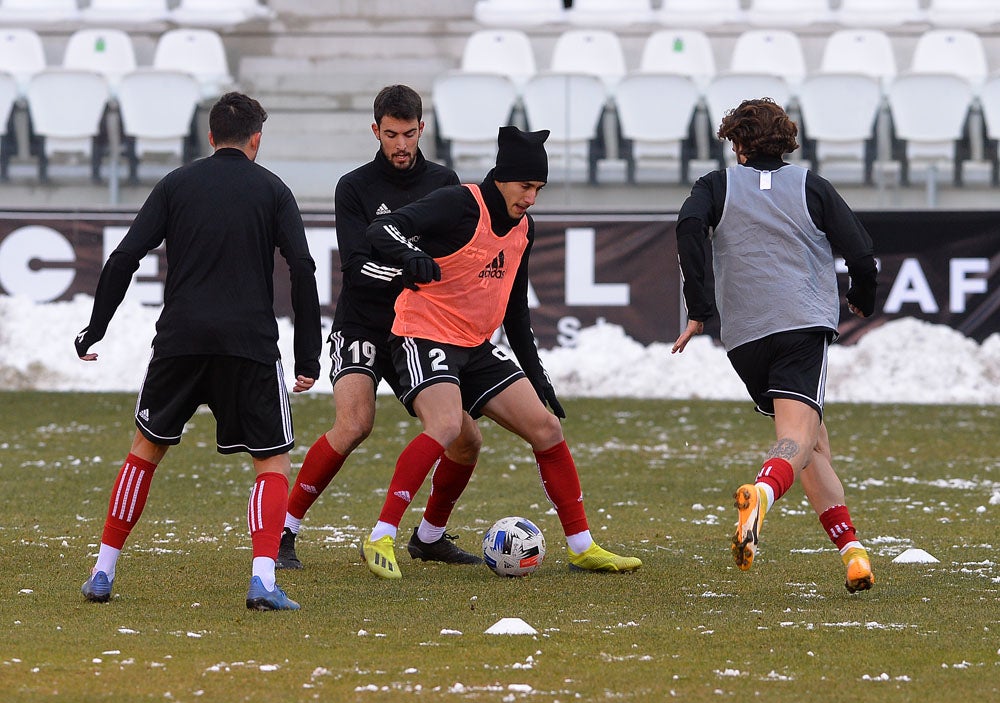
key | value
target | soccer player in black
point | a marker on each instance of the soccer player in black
(216, 341)
(359, 341)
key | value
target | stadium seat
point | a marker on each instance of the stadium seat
(571, 106)
(794, 13)
(594, 51)
(468, 109)
(606, 13)
(867, 51)
(9, 91)
(970, 14)
(989, 100)
(106, 12)
(199, 52)
(957, 51)
(56, 129)
(107, 51)
(655, 111)
(839, 112)
(218, 13)
(504, 51)
(32, 11)
(686, 52)
(929, 113)
(777, 52)
(699, 13)
(157, 110)
(22, 55)
(517, 13)
(878, 13)
(728, 90)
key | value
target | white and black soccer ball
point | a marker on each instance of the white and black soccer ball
(514, 546)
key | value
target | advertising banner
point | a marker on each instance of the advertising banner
(943, 267)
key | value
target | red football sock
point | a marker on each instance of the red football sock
(561, 484)
(447, 483)
(321, 464)
(837, 523)
(128, 498)
(266, 513)
(778, 474)
(412, 468)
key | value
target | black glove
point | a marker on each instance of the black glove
(420, 269)
(548, 395)
(861, 294)
(82, 342)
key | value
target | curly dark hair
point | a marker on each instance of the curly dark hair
(760, 127)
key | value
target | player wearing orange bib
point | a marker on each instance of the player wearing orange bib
(464, 253)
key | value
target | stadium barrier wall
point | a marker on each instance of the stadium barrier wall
(943, 267)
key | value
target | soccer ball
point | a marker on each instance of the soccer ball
(514, 546)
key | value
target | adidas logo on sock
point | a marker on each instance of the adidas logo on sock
(383, 209)
(405, 495)
(144, 414)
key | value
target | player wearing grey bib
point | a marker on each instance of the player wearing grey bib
(774, 228)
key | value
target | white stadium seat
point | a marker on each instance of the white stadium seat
(595, 51)
(570, 106)
(199, 52)
(699, 13)
(22, 55)
(157, 109)
(839, 112)
(105, 12)
(655, 111)
(686, 52)
(793, 13)
(607, 13)
(507, 52)
(468, 109)
(867, 51)
(777, 52)
(878, 13)
(218, 13)
(32, 11)
(9, 91)
(108, 51)
(514, 13)
(57, 129)
(929, 113)
(970, 14)
(957, 51)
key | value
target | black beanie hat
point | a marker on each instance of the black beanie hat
(521, 156)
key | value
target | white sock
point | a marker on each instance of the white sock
(107, 560)
(580, 542)
(382, 529)
(768, 493)
(428, 533)
(263, 568)
(851, 545)
(293, 523)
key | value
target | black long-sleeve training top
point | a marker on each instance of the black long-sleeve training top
(222, 218)
(370, 282)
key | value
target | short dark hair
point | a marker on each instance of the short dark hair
(399, 101)
(235, 118)
(761, 128)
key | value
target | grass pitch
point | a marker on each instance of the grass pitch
(658, 479)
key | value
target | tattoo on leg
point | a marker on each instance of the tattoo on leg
(784, 449)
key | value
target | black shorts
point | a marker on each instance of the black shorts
(784, 365)
(248, 398)
(366, 353)
(481, 372)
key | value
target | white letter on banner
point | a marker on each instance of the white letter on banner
(322, 241)
(35, 243)
(144, 292)
(910, 286)
(580, 266)
(961, 285)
